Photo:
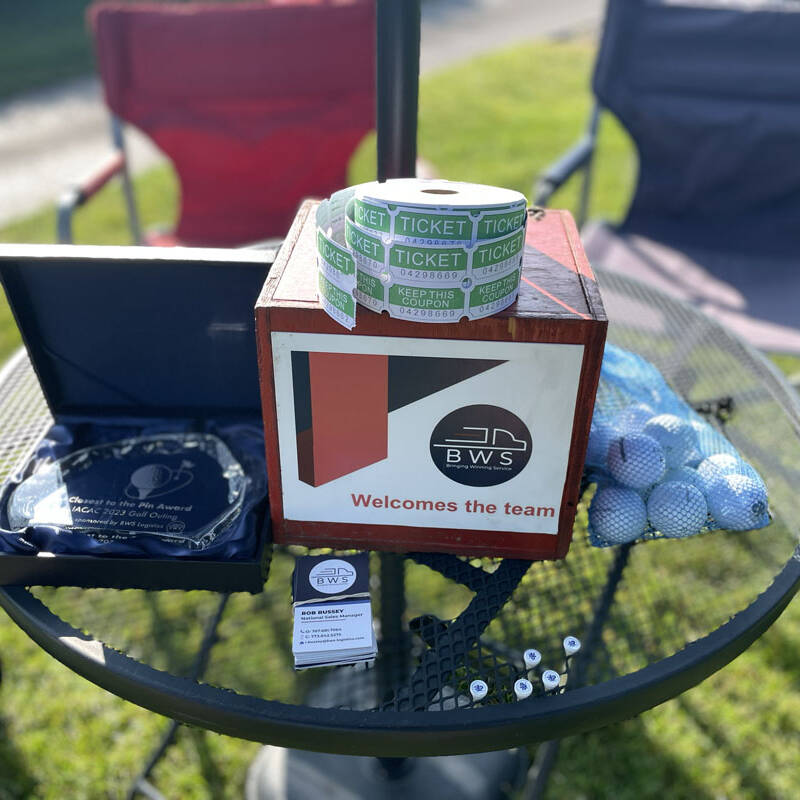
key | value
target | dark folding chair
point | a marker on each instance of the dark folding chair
(257, 105)
(710, 93)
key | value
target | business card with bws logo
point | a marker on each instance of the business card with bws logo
(326, 577)
(332, 611)
(459, 434)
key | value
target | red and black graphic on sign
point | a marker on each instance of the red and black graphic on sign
(342, 403)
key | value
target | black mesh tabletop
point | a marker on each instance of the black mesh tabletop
(644, 641)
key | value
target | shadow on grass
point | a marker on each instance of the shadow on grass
(15, 780)
(163, 636)
(212, 775)
(782, 652)
(746, 760)
(621, 762)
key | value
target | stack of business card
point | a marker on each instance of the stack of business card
(332, 611)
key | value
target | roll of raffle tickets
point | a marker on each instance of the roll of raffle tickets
(423, 250)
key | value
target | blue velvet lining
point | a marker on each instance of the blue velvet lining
(240, 541)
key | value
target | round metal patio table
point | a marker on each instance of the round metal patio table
(452, 620)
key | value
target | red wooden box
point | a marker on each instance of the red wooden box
(464, 438)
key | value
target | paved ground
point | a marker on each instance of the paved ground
(456, 30)
(50, 138)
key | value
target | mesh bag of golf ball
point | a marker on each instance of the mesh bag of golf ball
(661, 470)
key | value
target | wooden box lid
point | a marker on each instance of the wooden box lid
(557, 280)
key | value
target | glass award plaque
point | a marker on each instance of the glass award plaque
(184, 488)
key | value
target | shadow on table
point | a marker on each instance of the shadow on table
(15, 779)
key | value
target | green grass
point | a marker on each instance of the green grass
(43, 42)
(499, 120)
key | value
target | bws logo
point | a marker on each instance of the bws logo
(481, 445)
(333, 576)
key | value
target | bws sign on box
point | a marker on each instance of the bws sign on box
(447, 434)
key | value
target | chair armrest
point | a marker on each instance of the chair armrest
(112, 165)
(557, 174)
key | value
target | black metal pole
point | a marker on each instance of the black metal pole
(393, 661)
(397, 86)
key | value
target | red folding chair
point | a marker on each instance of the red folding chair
(257, 105)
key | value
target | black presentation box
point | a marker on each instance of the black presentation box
(129, 335)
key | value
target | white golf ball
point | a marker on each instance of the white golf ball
(601, 434)
(677, 509)
(636, 460)
(726, 463)
(633, 418)
(715, 467)
(739, 503)
(617, 514)
(675, 436)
